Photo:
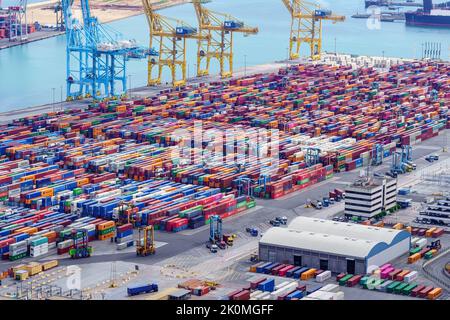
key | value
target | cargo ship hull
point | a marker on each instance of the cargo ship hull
(414, 19)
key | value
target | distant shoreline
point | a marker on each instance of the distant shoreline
(109, 13)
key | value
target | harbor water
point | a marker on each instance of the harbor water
(34, 74)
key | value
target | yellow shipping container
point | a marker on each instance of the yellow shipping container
(50, 264)
(21, 275)
(398, 226)
(429, 232)
(34, 268)
(308, 274)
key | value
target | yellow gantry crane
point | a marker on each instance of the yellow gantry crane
(168, 36)
(216, 42)
(306, 26)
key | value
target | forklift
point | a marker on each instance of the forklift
(145, 245)
(81, 247)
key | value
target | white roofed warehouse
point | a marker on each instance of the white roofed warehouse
(335, 246)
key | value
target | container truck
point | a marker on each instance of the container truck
(139, 289)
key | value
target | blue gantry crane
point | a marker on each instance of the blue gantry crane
(96, 56)
(406, 154)
(396, 167)
(215, 233)
(377, 154)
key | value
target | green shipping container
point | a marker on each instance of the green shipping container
(241, 204)
(414, 251)
(106, 231)
(17, 257)
(399, 289)
(407, 291)
(251, 204)
(304, 181)
(344, 280)
(392, 286)
(77, 191)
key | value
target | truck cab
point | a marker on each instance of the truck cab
(228, 239)
(317, 204)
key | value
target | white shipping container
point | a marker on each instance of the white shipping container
(255, 293)
(324, 295)
(282, 284)
(52, 245)
(421, 243)
(410, 277)
(323, 276)
(266, 297)
(260, 295)
(414, 240)
(291, 286)
(65, 244)
(125, 239)
(330, 288)
(385, 284)
(339, 295)
(20, 244)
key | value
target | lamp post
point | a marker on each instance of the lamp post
(129, 86)
(245, 65)
(287, 57)
(53, 93)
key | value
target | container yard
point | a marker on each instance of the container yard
(255, 184)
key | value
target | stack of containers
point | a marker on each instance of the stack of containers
(39, 247)
(64, 246)
(106, 230)
(18, 250)
(124, 236)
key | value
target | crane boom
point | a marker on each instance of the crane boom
(217, 31)
(169, 36)
(306, 26)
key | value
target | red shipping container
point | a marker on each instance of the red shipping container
(243, 295)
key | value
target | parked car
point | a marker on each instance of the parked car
(275, 223)
(282, 220)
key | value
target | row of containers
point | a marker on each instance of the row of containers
(24, 271)
(267, 288)
(387, 278)
(300, 103)
(164, 204)
(35, 233)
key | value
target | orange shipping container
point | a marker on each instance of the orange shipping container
(308, 274)
(434, 294)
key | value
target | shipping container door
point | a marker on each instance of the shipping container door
(350, 266)
(323, 264)
(297, 260)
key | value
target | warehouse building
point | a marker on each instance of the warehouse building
(335, 246)
(367, 198)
